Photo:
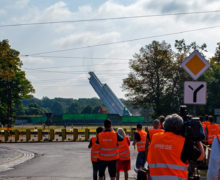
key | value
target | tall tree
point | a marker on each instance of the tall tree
(13, 84)
(150, 75)
(212, 77)
(156, 78)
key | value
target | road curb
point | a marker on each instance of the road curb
(22, 157)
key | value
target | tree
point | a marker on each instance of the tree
(35, 109)
(57, 108)
(13, 84)
(149, 80)
(212, 77)
(156, 78)
(87, 110)
(74, 108)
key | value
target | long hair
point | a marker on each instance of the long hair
(121, 132)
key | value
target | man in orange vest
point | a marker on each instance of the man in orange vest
(161, 119)
(214, 161)
(169, 152)
(108, 150)
(212, 130)
(94, 153)
(140, 139)
(155, 129)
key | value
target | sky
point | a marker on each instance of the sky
(58, 56)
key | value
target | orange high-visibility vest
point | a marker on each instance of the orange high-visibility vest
(124, 151)
(141, 144)
(94, 150)
(204, 125)
(153, 131)
(213, 130)
(164, 157)
(108, 150)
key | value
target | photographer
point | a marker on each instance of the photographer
(170, 152)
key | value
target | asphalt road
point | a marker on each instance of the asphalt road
(56, 161)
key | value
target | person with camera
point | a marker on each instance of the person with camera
(169, 152)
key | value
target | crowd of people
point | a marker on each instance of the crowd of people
(167, 152)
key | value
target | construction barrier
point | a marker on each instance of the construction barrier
(52, 134)
(75, 134)
(17, 135)
(6, 135)
(39, 135)
(63, 131)
(28, 135)
(86, 134)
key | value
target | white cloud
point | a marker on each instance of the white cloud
(21, 3)
(35, 39)
(86, 39)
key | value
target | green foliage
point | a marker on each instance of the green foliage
(156, 78)
(87, 110)
(58, 106)
(13, 84)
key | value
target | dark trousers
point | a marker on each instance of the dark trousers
(95, 167)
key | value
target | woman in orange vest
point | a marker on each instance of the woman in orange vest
(169, 152)
(94, 153)
(212, 130)
(124, 162)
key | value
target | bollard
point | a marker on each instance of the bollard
(51, 134)
(75, 134)
(86, 134)
(63, 134)
(39, 134)
(6, 134)
(16, 135)
(28, 135)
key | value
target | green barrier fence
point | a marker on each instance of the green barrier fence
(132, 119)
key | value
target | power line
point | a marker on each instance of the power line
(73, 72)
(125, 41)
(77, 57)
(108, 19)
(76, 66)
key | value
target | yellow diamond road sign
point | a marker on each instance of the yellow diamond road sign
(195, 65)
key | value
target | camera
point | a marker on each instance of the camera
(192, 127)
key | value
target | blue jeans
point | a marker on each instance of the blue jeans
(141, 159)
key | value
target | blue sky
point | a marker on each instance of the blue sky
(68, 77)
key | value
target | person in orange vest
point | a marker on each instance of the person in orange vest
(140, 139)
(151, 132)
(155, 129)
(161, 119)
(108, 150)
(169, 152)
(124, 162)
(94, 153)
(214, 161)
(205, 123)
(212, 129)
